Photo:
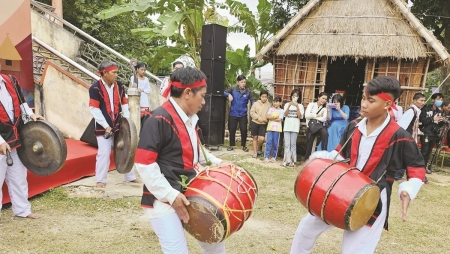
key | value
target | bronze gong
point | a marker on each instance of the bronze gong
(44, 149)
(125, 144)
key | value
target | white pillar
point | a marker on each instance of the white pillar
(58, 5)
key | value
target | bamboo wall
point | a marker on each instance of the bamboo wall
(412, 75)
(306, 73)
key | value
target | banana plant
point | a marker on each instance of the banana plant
(179, 20)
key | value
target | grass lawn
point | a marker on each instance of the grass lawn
(103, 225)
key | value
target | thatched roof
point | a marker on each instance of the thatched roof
(356, 28)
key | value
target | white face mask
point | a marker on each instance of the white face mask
(294, 99)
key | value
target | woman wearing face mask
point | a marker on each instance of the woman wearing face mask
(293, 112)
(316, 110)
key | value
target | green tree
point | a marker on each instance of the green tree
(435, 15)
(284, 10)
(179, 20)
(259, 27)
(115, 32)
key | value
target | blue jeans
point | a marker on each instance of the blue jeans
(272, 144)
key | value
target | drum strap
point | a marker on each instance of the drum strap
(345, 144)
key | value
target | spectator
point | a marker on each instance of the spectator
(274, 127)
(398, 112)
(431, 119)
(165, 83)
(316, 112)
(337, 115)
(239, 96)
(143, 84)
(410, 122)
(293, 112)
(258, 112)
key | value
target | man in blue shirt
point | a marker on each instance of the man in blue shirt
(239, 96)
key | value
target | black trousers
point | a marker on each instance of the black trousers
(232, 127)
(310, 140)
(427, 143)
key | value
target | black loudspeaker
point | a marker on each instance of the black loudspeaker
(214, 42)
(215, 76)
(212, 120)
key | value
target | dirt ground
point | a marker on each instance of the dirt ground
(79, 218)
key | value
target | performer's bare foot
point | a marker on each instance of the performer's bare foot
(101, 185)
(136, 181)
(33, 216)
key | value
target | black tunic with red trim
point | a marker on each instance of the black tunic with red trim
(9, 130)
(394, 149)
(165, 140)
(99, 98)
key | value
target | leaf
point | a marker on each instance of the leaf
(115, 10)
(170, 21)
(183, 182)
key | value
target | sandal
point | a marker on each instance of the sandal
(245, 149)
(254, 155)
(230, 148)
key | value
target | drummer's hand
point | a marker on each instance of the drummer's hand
(3, 147)
(179, 204)
(108, 129)
(35, 117)
(405, 203)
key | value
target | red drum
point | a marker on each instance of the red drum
(221, 200)
(340, 195)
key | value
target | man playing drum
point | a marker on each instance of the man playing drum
(107, 104)
(167, 157)
(377, 146)
(12, 106)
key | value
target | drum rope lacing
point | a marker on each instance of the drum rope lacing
(236, 174)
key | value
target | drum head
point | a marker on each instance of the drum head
(43, 150)
(363, 207)
(206, 223)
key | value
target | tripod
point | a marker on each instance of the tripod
(436, 153)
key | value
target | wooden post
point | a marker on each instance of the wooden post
(134, 96)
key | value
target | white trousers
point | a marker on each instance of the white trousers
(103, 160)
(171, 237)
(15, 177)
(362, 241)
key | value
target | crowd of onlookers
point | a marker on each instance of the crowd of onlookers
(326, 119)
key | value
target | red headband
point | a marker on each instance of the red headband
(178, 84)
(110, 68)
(386, 97)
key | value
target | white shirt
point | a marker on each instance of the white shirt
(291, 121)
(398, 113)
(144, 85)
(407, 117)
(157, 184)
(97, 112)
(7, 102)
(311, 112)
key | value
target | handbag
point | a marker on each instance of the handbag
(315, 125)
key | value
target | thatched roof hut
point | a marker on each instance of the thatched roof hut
(341, 45)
